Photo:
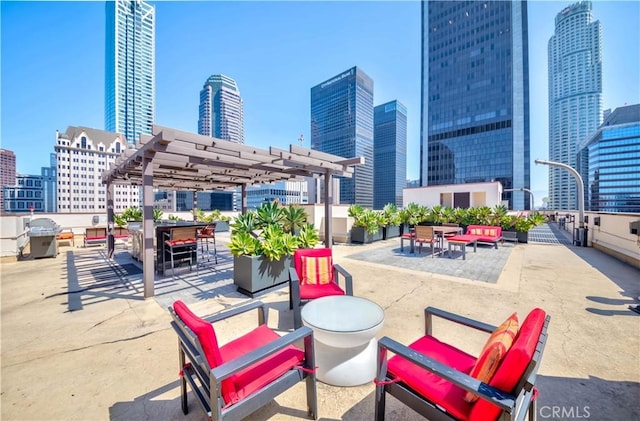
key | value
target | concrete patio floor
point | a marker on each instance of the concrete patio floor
(104, 352)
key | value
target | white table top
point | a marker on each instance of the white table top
(342, 313)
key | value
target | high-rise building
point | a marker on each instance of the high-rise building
(342, 124)
(7, 172)
(389, 153)
(130, 91)
(221, 114)
(610, 159)
(575, 95)
(475, 95)
(82, 155)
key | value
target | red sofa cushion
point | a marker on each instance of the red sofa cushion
(429, 385)
(513, 364)
(485, 232)
(260, 374)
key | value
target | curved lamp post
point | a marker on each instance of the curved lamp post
(580, 186)
(524, 190)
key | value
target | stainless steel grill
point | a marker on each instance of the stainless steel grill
(42, 237)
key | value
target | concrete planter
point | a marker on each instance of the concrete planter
(222, 226)
(523, 237)
(254, 275)
(360, 235)
(390, 231)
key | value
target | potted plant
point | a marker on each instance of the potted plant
(366, 226)
(262, 248)
(221, 221)
(390, 220)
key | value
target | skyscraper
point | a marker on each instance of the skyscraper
(342, 124)
(611, 158)
(130, 68)
(221, 114)
(389, 153)
(475, 95)
(575, 95)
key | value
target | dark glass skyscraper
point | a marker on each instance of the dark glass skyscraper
(342, 124)
(475, 95)
(389, 153)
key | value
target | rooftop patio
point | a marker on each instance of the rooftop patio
(79, 341)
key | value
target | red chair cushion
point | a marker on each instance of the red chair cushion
(432, 387)
(316, 270)
(260, 374)
(311, 292)
(203, 330)
(297, 257)
(185, 242)
(513, 364)
(492, 353)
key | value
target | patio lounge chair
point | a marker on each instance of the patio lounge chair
(233, 380)
(441, 382)
(313, 276)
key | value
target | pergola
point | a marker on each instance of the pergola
(179, 160)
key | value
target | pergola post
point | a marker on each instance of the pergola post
(243, 190)
(148, 230)
(328, 201)
(111, 244)
(195, 206)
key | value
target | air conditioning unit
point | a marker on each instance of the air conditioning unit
(634, 227)
(596, 220)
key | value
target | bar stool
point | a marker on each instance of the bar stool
(205, 236)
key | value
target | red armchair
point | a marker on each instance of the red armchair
(433, 378)
(313, 276)
(233, 380)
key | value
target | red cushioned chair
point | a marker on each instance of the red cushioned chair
(233, 380)
(301, 289)
(181, 243)
(432, 377)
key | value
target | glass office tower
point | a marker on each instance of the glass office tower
(475, 95)
(610, 159)
(342, 124)
(389, 153)
(130, 68)
(221, 114)
(575, 95)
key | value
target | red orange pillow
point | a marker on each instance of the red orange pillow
(316, 270)
(492, 353)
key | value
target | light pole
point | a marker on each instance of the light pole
(575, 174)
(580, 186)
(522, 189)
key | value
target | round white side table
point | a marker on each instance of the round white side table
(344, 331)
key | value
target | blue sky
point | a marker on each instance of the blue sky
(52, 62)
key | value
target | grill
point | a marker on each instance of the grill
(42, 237)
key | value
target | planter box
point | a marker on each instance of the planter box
(523, 237)
(390, 231)
(222, 226)
(360, 235)
(257, 274)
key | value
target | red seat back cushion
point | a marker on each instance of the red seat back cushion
(316, 270)
(513, 364)
(297, 257)
(432, 387)
(492, 353)
(262, 373)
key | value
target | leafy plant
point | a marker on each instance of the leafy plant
(132, 214)
(120, 220)
(369, 220)
(200, 215)
(308, 236)
(293, 217)
(174, 218)
(267, 232)
(390, 215)
(157, 214)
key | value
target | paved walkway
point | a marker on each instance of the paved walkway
(103, 352)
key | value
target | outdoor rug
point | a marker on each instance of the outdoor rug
(485, 265)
